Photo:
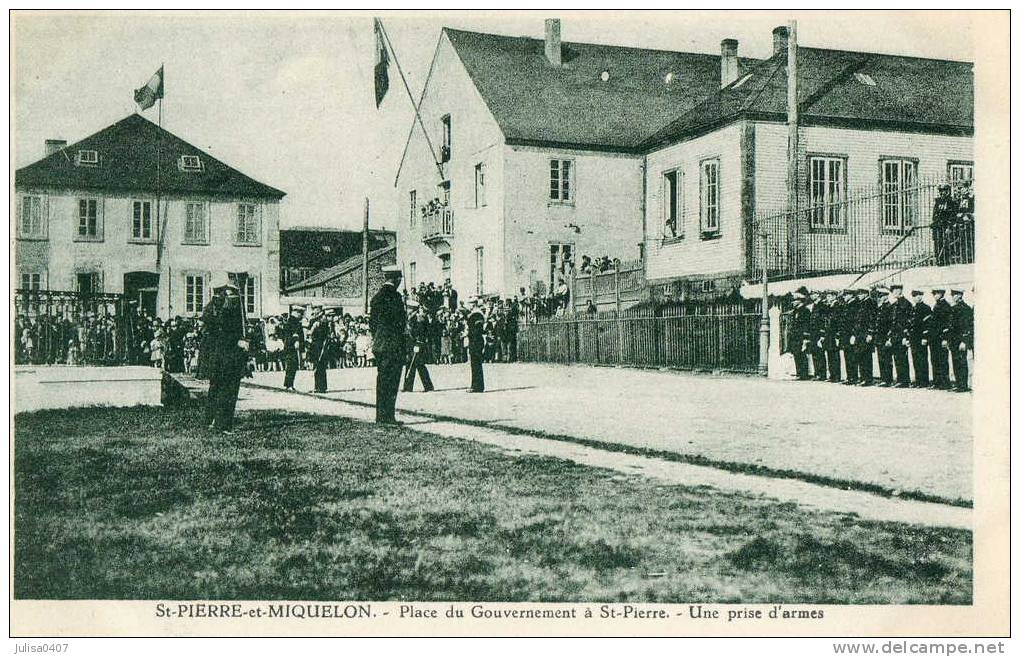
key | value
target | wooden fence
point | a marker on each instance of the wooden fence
(704, 342)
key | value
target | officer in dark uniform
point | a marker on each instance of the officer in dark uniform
(318, 349)
(943, 217)
(883, 339)
(938, 342)
(864, 336)
(833, 323)
(388, 323)
(476, 345)
(961, 339)
(800, 333)
(819, 319)
(899, 334)
(292, 334)
(920, 325)
(227, 355)
(844, 333)
(419, 329)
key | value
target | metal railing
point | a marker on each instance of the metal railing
(70, 328)
(438, 225)
(909, 227)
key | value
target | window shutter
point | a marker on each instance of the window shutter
(18, 213)
(663, 208)
(44, 216)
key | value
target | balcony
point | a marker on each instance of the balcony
(437, 227)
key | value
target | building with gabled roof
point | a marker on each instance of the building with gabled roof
(341, 285)
(105, 214)
(549, 150)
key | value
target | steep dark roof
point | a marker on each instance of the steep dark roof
(127, 154)
(908, 93)
(344, 267)
(571, 105)
(319, 248)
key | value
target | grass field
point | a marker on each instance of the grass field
(143, 504)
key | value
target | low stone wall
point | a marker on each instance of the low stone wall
(56, 386)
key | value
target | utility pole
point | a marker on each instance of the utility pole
(364, 260)
(793, 145)
(763, 328)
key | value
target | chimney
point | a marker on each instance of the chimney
(54, 145)
(553, 46)
(730, 65)
(780, 37)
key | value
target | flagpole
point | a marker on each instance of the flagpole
(414, 104)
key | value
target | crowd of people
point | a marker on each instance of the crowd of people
(834, 337)
(68, 338)
(952, 224)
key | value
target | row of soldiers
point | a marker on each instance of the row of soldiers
(861, 322)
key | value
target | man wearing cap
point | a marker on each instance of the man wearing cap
(227, 355)
(864, 336)
(961, 339)
(318, 349)
(800, 332)
(883, 337)
(844, 334)
(832, 326)
(418, 328)
(920, 325)
(476, 345)
(942, 218)
(899, 334)
(293, 336)
(388, 323)
(819, 319)
(941, 323)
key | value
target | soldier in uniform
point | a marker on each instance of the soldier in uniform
(942, 219)
(800, 333)
(833, 321)
(864, 336)
(819, 319)
(938, 342)
(476, 345)
(883, 339)
(318, 349)
(388, 323)
(920, 325)
(899, 334)
(227, 355)
(419, 329)
(292, 334)
(845, 331)
(961, 339)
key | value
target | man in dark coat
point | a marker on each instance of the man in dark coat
(318, 349)
(845, 331)
(418, 327)
(938, 341)
(476, 345)
(943, 217)
(832, 326)
(292, 334)
(800, 333)
(226, 357)
(920, 325)
(388, 323)
(961, 340)
(883, 339)
(820, 311)
(864, 336)
(899, 334)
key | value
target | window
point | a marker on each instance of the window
(561, 181)
(411, 274)
(194, 293)
(899, 194)
(961, 171)
(31, 280)
(196, 227)
(827, 189)
(479, 268)
(559, 256)
(247, 225)
(88, 219)
(414, 207)
(447, 139)
(88, 282)
(141, 222)
(88, 158)
(31, 223)
(480, 185)
(673, 203)
(248, 295)
(710, 196)
(190, 163)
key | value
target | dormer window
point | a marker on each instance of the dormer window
(88, 158)
(864, 78)
(190, 163)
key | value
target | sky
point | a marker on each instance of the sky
(287, 98)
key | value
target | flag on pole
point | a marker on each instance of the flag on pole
(147, 96)
(382, 65)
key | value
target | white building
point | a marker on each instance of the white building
(87, 221)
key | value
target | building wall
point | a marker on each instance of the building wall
(475, 138)
(606, 211)
(116, 253)
(692, 256)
